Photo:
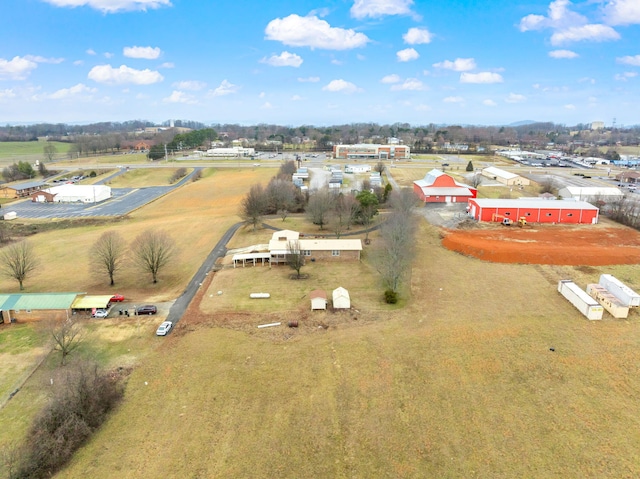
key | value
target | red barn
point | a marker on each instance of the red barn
(534, 211)
(438, 187)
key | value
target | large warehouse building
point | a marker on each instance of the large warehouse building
(534, 211)
(505, 177)
(73, 194)
(371, 152)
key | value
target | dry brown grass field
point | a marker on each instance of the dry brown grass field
(141, 177)
(457, 381)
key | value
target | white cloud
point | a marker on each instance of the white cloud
(17, 68)
(312, 32)
(8, 93)
(622, 12)
(592, 32)
(563, 54)
(489, 103)
(629, 60)
(393, 78)
(453, 99)
(515, 98)
(458, 65)
(74, 91)
(179, 97)
(296, 98)
(112, 6)
(123, 75)
(192, 85)
(266, 106)
(309, 80)
(285, 59)
(569, 106)
(587, 80)
(417, 36)
(336, 62)
(341, 86)
(108, 55)
(379, 8)
(482, 77)
(91, 51)
(412, 84)
(407, 55)
(567, 25)
(148, 53)
(78, 62)
(225, 88)
(262, 94)
(625, 76)
(39, 59)
(167, 65)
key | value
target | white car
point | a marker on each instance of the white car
(164, 328)
(100, 313)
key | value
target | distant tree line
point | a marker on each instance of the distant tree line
(107, 137)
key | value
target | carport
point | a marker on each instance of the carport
(89, 302)
(251, 258)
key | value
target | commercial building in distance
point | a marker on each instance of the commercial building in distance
(371, 152)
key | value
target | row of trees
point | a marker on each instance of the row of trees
(149, 253)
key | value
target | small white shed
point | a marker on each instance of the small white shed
(341, 299)
(318, 299)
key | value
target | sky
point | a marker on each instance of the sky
(320, 62)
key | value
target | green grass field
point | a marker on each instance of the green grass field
(11, 151)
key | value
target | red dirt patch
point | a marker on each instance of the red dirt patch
(559, 245)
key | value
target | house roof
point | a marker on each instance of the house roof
(590, 191)
(331, 244)
(507, 175)
(318, 294)
(26, 185)
(91, 301)
(37, 301)
(431, 177)
(444, 191)
(340, 292)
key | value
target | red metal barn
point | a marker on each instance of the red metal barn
(534, 211)
(438, 187)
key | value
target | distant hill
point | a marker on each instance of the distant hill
(523, 123)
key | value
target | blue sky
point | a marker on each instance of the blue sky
(320, 62)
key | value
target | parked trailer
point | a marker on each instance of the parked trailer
(608, 301)
(626, 295)
(11, 215)
(584, 303)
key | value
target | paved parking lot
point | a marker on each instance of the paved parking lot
(122, 202)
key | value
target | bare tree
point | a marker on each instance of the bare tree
(67, 336)
(10, 457)
(403, 200)
(18, 260)
(50, 151)
(152, 250)
(295, 256)
(394, 259)
(108, 253)
(254, 205)
(475, 180)
(320, 204)
(281, 197)
(379, 167)
(548, 185)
